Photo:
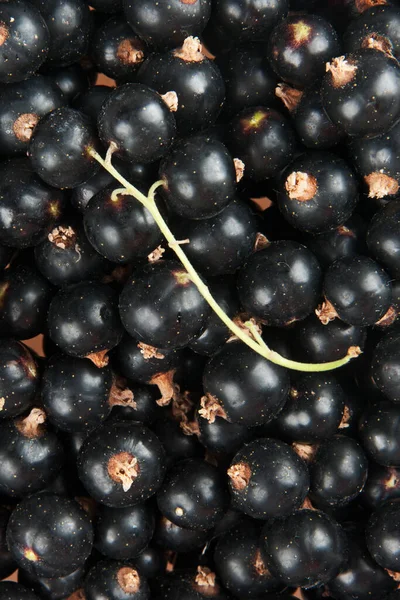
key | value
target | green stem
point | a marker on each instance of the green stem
(258, 346)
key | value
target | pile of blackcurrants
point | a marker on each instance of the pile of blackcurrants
(210, 252)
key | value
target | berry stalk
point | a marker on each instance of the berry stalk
(254, 340)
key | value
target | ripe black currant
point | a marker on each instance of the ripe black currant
(178, 539)
(380, 433)
(385, 366)
(383, 484)
(19, 378)
(383, 237)
(115, 580)
(382, 533)
(376, 28)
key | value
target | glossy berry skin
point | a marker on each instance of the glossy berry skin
(150, 562)
(30, 206)
(300, 46)
(89, 102)
(385, 366)
(166, 26)
(191, 584)
(240, 565)
(66, 255)
(177, 444)
(75, 393)
(21, 107)
(267, 479)
(377, 160)
(138, 121)
(7, 563)
(383, 238)
(193, 495)
(198, 177)
(320, 343)
(250, 389)
(49, 535)
(115, 581)
(219, 245)
(179, 539)
(25, 296)
(197, 81)
(280, 284)
(24, 41)
(358, 289)
(117, 51)
(121, 229)
(122, 533)
(360, 104)
(317, 548)
(162, 307)
(361, 577)
(72, 80)
(330, 195)
(53, 587)
(19, 378)
(338, 472)
(100, 473)
(249, 79)
(382, 533)
(263, 139)
(222, 437)
(313, 126)
(11, 590)
(65, 164)
(314, 408)
(83, 319)
(30, 453)
(379, 433)
(378, 22)
(145, 408)
(383, 484)
(69, 24)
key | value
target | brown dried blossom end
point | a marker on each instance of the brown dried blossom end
(239, 475)
(78, 595)
(239, 168)
(240, 321)
(261, 242)
(326, 312)
(120, 394)
(362, 5)
(171, 100)
(166, 386)
(342, 71)
(32, 426)
(211, 409)
(205, 579)
(123, 468)
(2, 402)
(149, 351)
(4, 33)
(259, 565)
(191, 50)
(301, 186)
(305, 451)
(190, 427)
(129, 53)
(344, 423)
(63, 237)
(345, 231)
(388, 318)
(378, 42)
(156, 254)
(289, 96)
(31, 555)
(100, 359)
(128, 580)
(381, 185)
(395, 575)
(24, 125)
(307, 504)
(354, 351)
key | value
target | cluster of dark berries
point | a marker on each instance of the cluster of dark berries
(199, 247)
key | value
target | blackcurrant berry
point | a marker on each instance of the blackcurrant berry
(114, 581)
(380, 433)
(19, 378)
(382, 533)
(385, 366)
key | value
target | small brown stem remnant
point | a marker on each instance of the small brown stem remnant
(388, 318)
(362, 5)
(326, 312)
(393, 574)
(179, 511)
(239, 475)
(78, 595)
(240, 321)
(149, 351)
(171, 556)
(63, 237)
(354, 351)
(156, 254)
(171, 100)
(345, 231)
(120, 394)
(211, 409)
(239, 169)
(31, 555)
(307, 504)
(393, 480)
(378, 42)
(305, 451)
(123, 468)
(381, 185)
(129, 52)
(261, 242)
(191, 50)
(344, 423)
(259, 564)
(32, 425)
(166, 385)
(190, 427)
(129, 580)
(289, 96)
(4, 33)
(301, 186)
(24, 125)
(205, 578)
(342, 71)
(2, 402)
(100, 359)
